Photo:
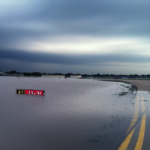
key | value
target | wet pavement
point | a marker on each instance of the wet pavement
(138, 135)
(74, 114)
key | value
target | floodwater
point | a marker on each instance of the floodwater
(74, 114)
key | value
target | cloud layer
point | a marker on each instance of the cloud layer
(75, 32)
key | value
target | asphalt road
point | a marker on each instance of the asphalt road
(138, 134)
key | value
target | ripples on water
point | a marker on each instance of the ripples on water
(74, 114)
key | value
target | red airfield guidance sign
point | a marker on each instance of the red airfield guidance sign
(30, 92)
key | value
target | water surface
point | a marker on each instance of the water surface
(74, 114)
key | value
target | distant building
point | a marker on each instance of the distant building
(75, 76)
(3, 74)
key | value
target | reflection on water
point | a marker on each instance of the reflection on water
(74, 114)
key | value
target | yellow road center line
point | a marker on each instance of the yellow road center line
(126, 142)
(142, 129)
(135, 116)
(140, 140)
(133, 122)
(141, 134)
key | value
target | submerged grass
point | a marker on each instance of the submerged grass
(128, 89)
(123, 81)
(123, 93)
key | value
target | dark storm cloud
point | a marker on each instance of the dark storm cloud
(50, 58)
(86, 17)
(43, 20)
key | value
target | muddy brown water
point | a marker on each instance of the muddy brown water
(74, 114)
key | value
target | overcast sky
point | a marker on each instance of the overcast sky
(78, 36)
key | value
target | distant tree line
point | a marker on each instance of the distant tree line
(24, 73)
(32, 74)
(69, 74)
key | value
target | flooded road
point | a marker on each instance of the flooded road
(74, 114)
(137, 136)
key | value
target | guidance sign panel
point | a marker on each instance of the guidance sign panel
(30, 92)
